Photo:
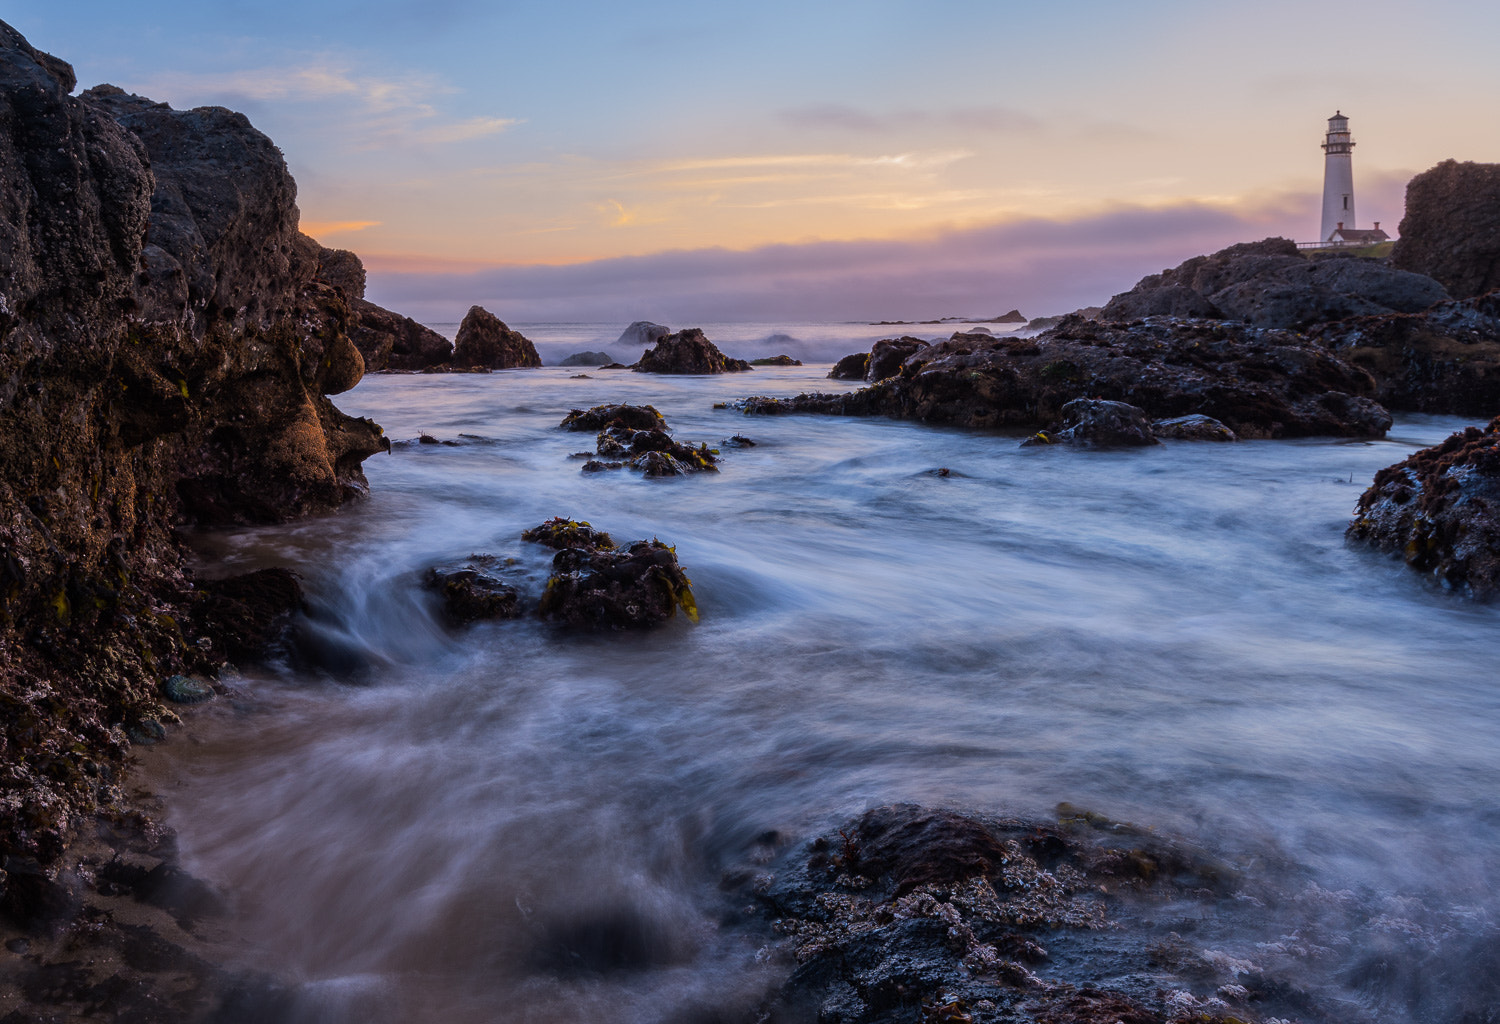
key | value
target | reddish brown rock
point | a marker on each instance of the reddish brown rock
(687, 352)
(1451, 230)
(484, 340)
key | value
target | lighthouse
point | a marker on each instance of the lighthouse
(1338, 189)
(1338, 177)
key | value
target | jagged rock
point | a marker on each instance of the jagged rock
(687, 352)
(887, 356)
(472, 591)
(1192, 428)
(782, 360)
(1096, 423)
(1257, 382)
(634, 417)
(1443, 360)
(484, 340)
(1451, 230)
(587, 359)
(390, 341)
(1269, 284)
(1013, 317)
(617, 588)
(851, 367)
(641, 334)
(166, 349)
(1440, 509)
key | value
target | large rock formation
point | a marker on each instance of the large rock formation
(1443, 360)
(1440, 510)
(390, 341)
(484, 340)
(1451, 230)
(687, 352)
(1257, 382)
(166, 346)
(1268, 284)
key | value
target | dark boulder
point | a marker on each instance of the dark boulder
(343, 270)
(655, 452)
(390, 341)
(1443, 360)
(635, 417)
(886, 357)
(782, 360)
(587, 359)
(1097, 423)
(1440, 509)
(617, 588)
(474, 591)
(1451, 230)
(484, 340)
(1192, 428)
(1257, 382)
(687, 352)
(851, 367)
(1270, 284)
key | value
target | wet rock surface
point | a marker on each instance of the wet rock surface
(1269, 284)
(1258, 382)
(1440, 510)
(598, 586)
(167, 346)
(1451, 229)
(1192, 428)
(474, 590)
(1096, 423)
(917, 914)
(851, 367)
(633, 417)
(484, 341)
(688, 352)
(637, 436)
(1443, 360)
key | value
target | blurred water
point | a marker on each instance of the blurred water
(1177, 636)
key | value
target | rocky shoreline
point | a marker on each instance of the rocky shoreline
(169, 342)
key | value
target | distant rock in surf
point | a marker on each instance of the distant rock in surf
(484, 341)
(687, 352)
(641, 334)
(587, 359)
(782, 360)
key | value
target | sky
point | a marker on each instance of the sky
(882, 159)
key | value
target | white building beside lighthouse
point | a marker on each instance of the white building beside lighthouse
(1338, 190)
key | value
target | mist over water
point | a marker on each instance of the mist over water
(520, 823)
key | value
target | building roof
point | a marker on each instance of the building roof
(1365, 236)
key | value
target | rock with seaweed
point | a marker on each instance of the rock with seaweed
(1096, 423)
(636, 435)
(687, 352)
(1258, 382)
(910, 913)
(781, 360)
(598, 586)
(484, 341)
(1451, 229)
(473, 590)
(1442, 360)
(634, 417)
(851, 367)
(167, 347)
(1269, 284)
(1440, 511)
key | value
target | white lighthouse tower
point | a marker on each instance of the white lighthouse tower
(1338, 179)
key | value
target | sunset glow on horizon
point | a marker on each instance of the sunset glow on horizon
(459, 138)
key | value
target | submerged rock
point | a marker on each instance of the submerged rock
(673, 457)
(909, 913)
(1270, 284)
(1440, 509)
(608, 588)
(687, 352)
(473, 591)
(1256, 381)
(1096, 423)
(483, 340)
(1192, 428)
(1451, 230)
(247, 617)
(587, 359)
(635, 417)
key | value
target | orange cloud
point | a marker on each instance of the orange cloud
(319, 228)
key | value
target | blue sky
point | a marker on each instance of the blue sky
(490, 145)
